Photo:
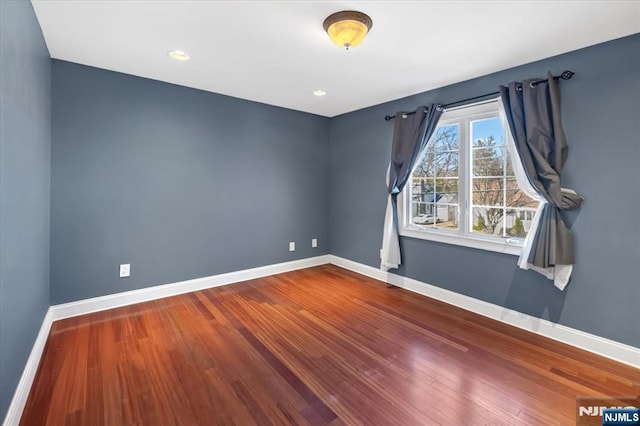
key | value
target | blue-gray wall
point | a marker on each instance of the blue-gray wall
(601, 107)
(178, 182)
(25, 143)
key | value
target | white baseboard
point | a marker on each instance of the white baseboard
(14, 413)
(95, 304)
(608, 348)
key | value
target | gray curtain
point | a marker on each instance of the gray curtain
(410, 136)
(533, 114)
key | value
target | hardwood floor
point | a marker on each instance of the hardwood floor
(316, 346)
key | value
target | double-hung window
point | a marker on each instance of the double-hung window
(463, 189)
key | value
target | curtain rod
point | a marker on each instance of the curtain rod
(566, 75)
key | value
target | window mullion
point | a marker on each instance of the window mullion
(504, 193)
(463, 177)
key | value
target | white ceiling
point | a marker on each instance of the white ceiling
(276, 52)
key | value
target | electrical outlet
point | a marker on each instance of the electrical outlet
(292, 246)
(314, 243)
(125, 270)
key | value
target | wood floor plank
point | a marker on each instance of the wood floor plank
(319, 346)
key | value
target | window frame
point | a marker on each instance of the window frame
(462, 116)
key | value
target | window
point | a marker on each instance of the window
(463, 189)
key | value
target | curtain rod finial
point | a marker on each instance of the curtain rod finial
(567, 74)
(388, 117)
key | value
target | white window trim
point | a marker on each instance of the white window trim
(510, 246)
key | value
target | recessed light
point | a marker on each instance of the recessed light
(319, 92)
(178, 55)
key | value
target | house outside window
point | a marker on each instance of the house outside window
(463, 189)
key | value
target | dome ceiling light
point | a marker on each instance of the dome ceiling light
(347, 28)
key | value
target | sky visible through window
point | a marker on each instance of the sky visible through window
(482, 129)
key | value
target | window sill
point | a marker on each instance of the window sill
(476, 243)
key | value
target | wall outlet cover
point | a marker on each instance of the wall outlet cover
(125, 270)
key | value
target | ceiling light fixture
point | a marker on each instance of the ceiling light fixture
(178, 55)
(319, 92)
(347, 28)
